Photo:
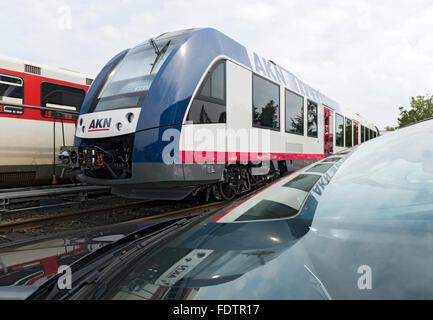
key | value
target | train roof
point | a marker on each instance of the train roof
(44, 71)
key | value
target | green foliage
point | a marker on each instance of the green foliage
(389, 128)
(421, 108)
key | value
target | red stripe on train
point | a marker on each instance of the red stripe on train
(98, 130)
(222, 156)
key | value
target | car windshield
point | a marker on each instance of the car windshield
(128, 83)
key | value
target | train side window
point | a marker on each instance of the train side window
(348, 133)
(11, 89)
(362, 133)
(294, 113)
(209, 105)
(339, 130)
(312, 119)
(266, 103)
(61, 97)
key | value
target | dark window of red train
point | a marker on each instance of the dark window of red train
(209, 105)
(11, 89)
(61, 97)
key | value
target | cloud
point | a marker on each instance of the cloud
(370, 56)
(255, 11)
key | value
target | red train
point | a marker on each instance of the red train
(38, 111)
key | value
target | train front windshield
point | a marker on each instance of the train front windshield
(129, 82)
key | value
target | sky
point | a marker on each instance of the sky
(371, 56)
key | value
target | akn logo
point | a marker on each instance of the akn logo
(178, 270)
(100, 124)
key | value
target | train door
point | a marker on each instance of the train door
(203, 136)
(239, 112)
(328, 132)
(355, 133)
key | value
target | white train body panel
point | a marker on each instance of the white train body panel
(30, 142)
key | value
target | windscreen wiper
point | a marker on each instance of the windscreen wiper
(87, 269)
(155, 46)
(159, 53)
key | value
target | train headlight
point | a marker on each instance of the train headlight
(119, 126)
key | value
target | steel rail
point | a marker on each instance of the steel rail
(70, 216)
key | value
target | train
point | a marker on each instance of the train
(39, 107)
(194, 110)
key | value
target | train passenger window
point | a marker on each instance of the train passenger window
(11, 89)
(348, 133)
(209, 105)
(266, 103)
(61, 97)
(362, 133)
(294, 113)
(339, 131)
(312, 119)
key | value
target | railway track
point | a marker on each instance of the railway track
(31, 198)
(32, 223)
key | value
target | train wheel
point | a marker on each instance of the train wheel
(227, 191)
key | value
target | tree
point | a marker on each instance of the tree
(421, 109)
(389, 128)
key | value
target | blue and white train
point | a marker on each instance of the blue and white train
(195, 110)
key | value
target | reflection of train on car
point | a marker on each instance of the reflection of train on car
(31, 262)
(309, 235)
(213, 109)
(38, 112)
